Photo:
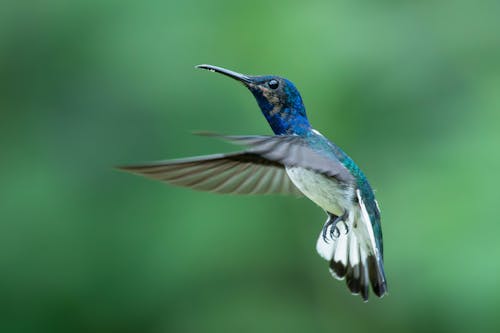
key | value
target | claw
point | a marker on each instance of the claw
(346, 228)
(331, 223)
(334, 232)
(325, 228)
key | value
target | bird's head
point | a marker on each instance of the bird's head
(277, 97)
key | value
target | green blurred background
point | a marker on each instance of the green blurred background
(411, 90)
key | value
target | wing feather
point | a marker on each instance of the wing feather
(237, 173)
(258, 170)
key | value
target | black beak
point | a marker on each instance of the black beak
(237, 76)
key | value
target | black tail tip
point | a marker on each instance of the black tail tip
(380, 289)
(338, 269)
(360, 277)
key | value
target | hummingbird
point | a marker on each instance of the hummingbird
(296, 160)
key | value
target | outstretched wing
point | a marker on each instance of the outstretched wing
(257, 170)
(237, 173)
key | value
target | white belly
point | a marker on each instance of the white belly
(324, 191)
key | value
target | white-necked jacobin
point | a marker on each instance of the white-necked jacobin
(296, 160)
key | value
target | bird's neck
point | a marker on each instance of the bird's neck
(288, 122)
(285, 119)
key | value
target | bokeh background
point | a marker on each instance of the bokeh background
(411, 90)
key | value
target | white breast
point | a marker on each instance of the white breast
(324, 191)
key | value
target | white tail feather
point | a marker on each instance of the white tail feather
(353, 254)
(340, 251)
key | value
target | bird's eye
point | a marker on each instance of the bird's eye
(273, 84)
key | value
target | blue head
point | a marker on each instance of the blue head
(278, 99)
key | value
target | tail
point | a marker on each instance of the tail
(353, 256)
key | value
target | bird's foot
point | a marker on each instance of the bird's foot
(332, 223)
(335, 232)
